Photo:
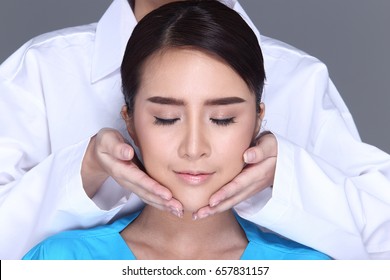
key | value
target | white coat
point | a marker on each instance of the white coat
(331, 191)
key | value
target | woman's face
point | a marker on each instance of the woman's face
(193, 119)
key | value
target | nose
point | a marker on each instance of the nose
(195, 142)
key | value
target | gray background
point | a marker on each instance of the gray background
(351, 37)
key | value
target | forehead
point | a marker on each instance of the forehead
(187, 72)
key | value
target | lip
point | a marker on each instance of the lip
(194, 178)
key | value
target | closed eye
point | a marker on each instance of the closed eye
(161, 121)
(223, 122)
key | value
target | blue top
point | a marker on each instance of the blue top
(106, 243)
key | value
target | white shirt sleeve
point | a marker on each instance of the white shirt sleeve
(41, 191)
(316, 204)
(44, 200)
(331, 191)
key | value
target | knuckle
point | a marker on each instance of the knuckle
(232, 188)
(151, 197)
(116, 170)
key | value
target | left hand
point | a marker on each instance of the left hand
(257, 175)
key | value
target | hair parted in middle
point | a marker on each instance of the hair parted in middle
(204, 25)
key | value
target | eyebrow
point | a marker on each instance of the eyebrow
(166, 100)
(224, 101)
(211, 102)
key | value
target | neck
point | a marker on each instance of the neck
(159, 235)
(168, 223)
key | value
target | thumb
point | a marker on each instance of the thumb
(120, 149)
(125, 152)
(266, 146)
(251, 155)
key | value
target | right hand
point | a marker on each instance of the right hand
(109, 155)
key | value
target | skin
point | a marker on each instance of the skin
(109, 155)
(143, 7)
(181, 106)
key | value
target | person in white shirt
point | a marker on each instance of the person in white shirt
(311, 180)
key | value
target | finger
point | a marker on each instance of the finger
(238, 184)
(157, 198)
(266, 147)
(224, 199)
(173, 206)
(111, 142)
(148, 189)
(202, 213)
(125, 152)
(123, 165)
(252, 179)
(129, 175)
(222, 206)
(121, 151)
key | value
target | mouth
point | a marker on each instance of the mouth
(194, 178)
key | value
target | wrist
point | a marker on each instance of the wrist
(93, 174)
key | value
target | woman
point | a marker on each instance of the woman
(192, 80)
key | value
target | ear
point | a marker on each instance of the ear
(260, 116)
(129, 124)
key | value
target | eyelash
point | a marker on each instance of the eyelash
(219, 122)
(160, 121)
(223, 122)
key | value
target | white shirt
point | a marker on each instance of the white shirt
(330, 192)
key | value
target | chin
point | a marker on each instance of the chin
(193, 198)
(193, 206)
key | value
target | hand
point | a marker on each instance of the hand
(108, 155)
(257, 175)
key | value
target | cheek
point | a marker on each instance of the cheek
(230, 150)
(237, 139)
(156, 150)
(230, 153)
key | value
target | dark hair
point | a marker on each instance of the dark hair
(208, 26)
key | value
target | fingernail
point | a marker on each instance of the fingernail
(194, 217)
(176, 212)
(166, 196)
(249, 156)
(202, 216)
(126, 154)
(215, 203)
